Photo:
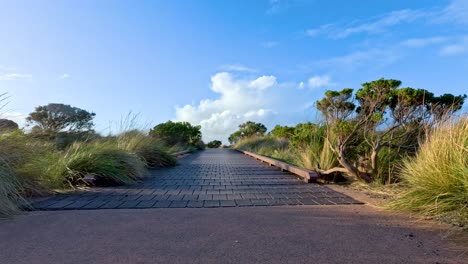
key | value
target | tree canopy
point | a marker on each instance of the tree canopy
(247, 129)
(380, 115)
(60, 117)
(6, 124)
(214, 144)
(173, 133)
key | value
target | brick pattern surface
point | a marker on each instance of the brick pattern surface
(206, 179)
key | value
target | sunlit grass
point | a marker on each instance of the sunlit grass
(437, 178)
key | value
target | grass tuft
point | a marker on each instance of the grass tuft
(437, 178)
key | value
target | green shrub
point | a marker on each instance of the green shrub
(214, 144)
(437, 178)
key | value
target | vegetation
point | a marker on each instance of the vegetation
(247, 129)
(178, 133)
(6, 124)
(214, 144)
(54, 118)
(366, 135)
(436, 179)
(62, 151)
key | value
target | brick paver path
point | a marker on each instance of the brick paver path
(210, 178)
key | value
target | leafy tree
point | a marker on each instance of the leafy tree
(247, 129)
(282, 131)
(60, 117)
(235, 137)
(214, 144)
(6, 125)
(173, 133)
(380, 115)
(304, 134)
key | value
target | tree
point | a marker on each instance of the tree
(247, 129)
(55, 118)
(380, 115)
(235, 137)
(173, 133)
(6, 125)
(214, 144)
(282, 131)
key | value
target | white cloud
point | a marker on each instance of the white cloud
(374, 25)
(300, 85)
(240, 100)
(373, 56)
(64, 76)
(458, 48)
(237, 67)
(318, 81)
(456, 12)
(14, 76)
(263, 82)
(422, 42)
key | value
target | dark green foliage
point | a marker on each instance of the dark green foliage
(382, 116)
(305, 134)
(174, 133)
(53, 118)
(247, 129)
(214, 144)
(282, 131)
(7, 125)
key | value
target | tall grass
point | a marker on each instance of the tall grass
(437, 178)
(9, 190)
(268, 146)
(146, 147)
(104, 160)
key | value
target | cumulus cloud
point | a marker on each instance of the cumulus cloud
(240, 100)
(14, 76)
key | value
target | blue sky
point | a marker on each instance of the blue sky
(221, 63)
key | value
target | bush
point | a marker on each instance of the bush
(148, 148)
(174, 133)
(437, 178)
(106, 162)
(214, 144)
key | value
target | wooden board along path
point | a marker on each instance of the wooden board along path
(304, 174)
(210, 178)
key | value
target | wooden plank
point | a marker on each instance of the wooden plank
(306, 175)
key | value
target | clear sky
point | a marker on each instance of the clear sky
(221, 63)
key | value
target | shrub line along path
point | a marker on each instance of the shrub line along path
(211, 178)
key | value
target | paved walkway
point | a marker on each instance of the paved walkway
(210, 178)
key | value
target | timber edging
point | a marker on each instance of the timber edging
(306, 175)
